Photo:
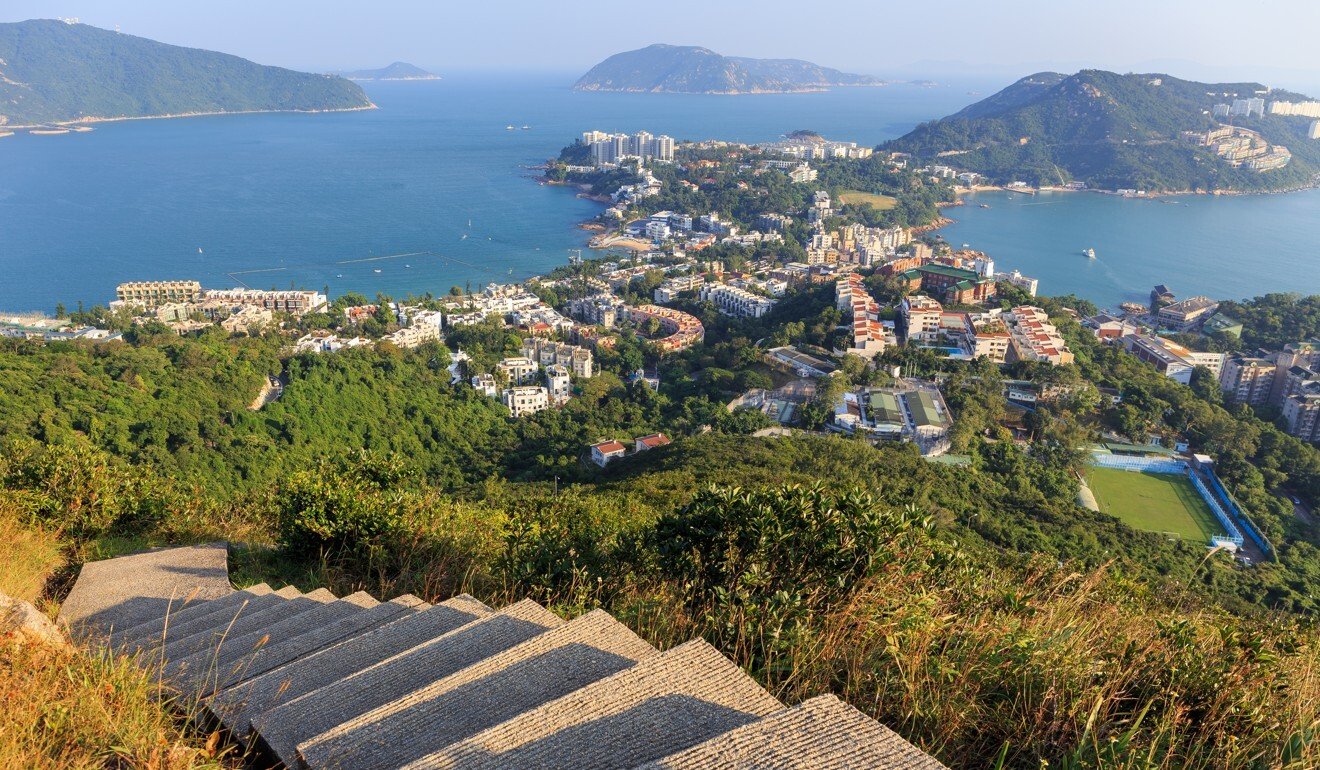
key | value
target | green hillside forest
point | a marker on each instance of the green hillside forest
(1112, 132)
(52, 71)
(691, 69)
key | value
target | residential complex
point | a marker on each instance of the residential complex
(735, 301)
(1034, 338)
(1248, 380)
(151, 294)
(869, 335)
(921, 318)
(547, 353)
(611, 149)
(1301, 413)
(1296, 109)
(291, 301)
(682, 330)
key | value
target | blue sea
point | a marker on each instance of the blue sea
(381, 200)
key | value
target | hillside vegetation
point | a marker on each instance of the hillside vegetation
(1110, 131)
(51, 71)
(694, 70)
(977, 609)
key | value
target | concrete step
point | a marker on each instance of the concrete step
(545, 667)
(151, 632)
(229, 698)
(208, 622)
(246, 703)
(258, 614)
(277, 653)
(662, 705)
(822, 733)
(205, 671)
(120, 593)
(283, 728)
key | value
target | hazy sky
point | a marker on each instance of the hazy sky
(1242, 39)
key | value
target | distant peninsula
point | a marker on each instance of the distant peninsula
(396, 71)
(693, 70)
(1129, 132)
(54, 72)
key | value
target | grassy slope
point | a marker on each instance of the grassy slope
(65, 709)
(1154, 502)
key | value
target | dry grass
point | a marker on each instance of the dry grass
(30, 556)
(64, 709)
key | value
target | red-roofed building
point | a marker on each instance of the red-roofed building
(650, 442)
(605, 451)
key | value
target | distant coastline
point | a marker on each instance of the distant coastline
(171, 116)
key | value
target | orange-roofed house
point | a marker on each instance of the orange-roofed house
(605, 451)
(650, 442)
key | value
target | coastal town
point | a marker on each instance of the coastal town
(895, 286)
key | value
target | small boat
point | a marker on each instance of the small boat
(985, 205)
(377, 270)
(199, 249)
(339, 275)
(407, 267)
(509, 127)
(464, 237)
(526, 128)
(1090, 253)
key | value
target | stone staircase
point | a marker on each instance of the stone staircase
(315, 681)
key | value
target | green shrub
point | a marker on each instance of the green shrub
(347, 507)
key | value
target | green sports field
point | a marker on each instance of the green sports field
(1155, 502)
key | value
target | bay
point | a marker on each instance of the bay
(1225, 247)
(327, 200)
(374, 201)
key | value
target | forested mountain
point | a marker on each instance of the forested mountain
(396, 71)
(691, 69)
(52, 71)
(1112, 131)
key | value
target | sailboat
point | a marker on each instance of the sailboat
(1090, 253)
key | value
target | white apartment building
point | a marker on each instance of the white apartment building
(415, 335)
(485, 385)
(558, 383)
(518, 370)
(734, 301)
(671, 288)
(526, 399)
(610, 149)
(291, 302)
(547, 353)
(921, 318)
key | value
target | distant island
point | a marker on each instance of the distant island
(396, 71)
(53, 72)
(1134, 132)
(693, 70)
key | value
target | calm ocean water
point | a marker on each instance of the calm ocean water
(274, 201)
(1227, 247)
